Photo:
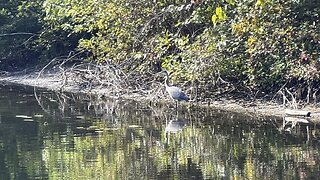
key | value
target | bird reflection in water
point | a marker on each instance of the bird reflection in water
(174, 126)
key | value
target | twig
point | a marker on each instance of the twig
(280, 90)
(285, 99)
(293, 99)
(15, 34)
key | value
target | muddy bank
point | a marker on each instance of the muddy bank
(58, 81)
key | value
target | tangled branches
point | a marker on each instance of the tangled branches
(107, 79)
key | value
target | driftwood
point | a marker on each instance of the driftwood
(290, 112)
(295, 120)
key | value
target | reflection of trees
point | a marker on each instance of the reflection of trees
(20, 155)
(90, 138)
(132, 142)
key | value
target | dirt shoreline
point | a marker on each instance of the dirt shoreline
(257, 108)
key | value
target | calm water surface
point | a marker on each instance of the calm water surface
(47, 135)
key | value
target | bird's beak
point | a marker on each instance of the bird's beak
(160, 72)
(163, 71)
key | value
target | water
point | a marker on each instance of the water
(47, 135)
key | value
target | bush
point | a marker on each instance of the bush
(19, 26)
(253, 45)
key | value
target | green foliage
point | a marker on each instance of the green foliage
(112, 27)
(257, 44)
(18, 27)
(219, 15)
(262, 44)
(24, 38)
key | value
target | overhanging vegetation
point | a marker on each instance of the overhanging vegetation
(255, 47)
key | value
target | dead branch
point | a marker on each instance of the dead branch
(16, 34)
(293, 99)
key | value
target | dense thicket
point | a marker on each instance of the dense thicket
(18, 28)
(249, 45)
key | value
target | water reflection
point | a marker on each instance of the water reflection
(67, 136)
(174, 125)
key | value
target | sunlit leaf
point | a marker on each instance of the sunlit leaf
(232, 2)
(260, 3)
(214, 18)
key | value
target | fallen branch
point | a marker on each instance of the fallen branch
(16, 34)
(293, 99)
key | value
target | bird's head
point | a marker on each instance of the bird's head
(164, 72)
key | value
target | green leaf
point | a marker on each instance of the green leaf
(260, 3)
(214, 19)
(231, 2)
(220, 13)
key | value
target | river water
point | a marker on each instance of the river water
(48, 135)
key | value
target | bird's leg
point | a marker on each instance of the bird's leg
(176, 105)
(177, 113)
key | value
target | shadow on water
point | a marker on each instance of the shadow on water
(48, 135)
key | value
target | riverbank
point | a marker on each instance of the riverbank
(62, 81)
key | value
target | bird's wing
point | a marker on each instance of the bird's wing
(184, 97)
(176, 93)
